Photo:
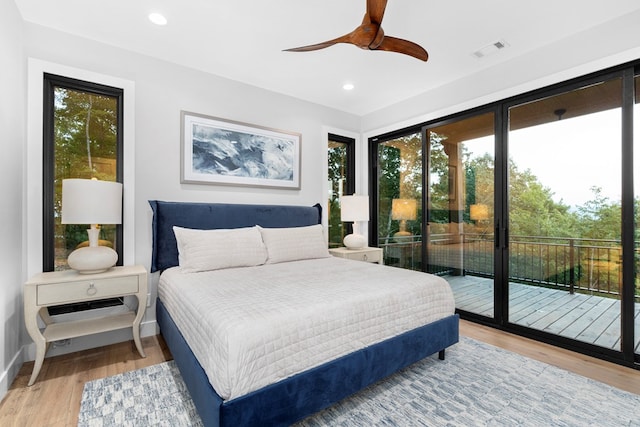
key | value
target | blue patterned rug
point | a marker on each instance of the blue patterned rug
(477, 385)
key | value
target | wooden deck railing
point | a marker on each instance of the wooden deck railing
(574, 264)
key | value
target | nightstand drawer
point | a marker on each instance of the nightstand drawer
(362, 254)
(369, 256)
(62, 293)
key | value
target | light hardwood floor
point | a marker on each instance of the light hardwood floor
(54, 400)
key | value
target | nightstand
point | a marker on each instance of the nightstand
(364, 254)
(63, 287)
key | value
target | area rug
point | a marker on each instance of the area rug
(477, 385)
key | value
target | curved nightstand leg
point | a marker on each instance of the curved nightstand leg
(136, 339)
(142, 303)
(41, 349)
(31, 322)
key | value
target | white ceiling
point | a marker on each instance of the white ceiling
(244, 39)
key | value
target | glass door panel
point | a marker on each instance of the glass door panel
(564, 195)
(399, 198)
(460, 232)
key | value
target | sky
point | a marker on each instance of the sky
(568, 156)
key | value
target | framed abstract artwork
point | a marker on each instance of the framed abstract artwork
(218, 151)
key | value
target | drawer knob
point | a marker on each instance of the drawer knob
(92, 290)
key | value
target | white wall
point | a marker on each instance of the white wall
(162, 90)
(12, 112)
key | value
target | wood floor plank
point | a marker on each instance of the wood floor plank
(520, 308)
(555, 311)
(538, 316)
(590, 311)
(550, 310)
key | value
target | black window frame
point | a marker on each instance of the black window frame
(50, 82)
(350, 168)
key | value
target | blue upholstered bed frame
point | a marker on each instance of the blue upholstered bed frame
(294, 398)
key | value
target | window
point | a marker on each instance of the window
(341, 173)
(82, 139)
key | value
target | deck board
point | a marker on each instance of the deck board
(588, 318)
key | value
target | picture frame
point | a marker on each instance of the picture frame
(225, 152)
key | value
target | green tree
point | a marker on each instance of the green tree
(532, 210)
(600, 218)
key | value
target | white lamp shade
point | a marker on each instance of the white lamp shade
(354, 208)
(406, 209)
(90, 201)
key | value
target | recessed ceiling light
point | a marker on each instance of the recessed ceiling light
(348, 86)
(157, 18)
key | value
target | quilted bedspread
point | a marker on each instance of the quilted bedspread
(253, 326)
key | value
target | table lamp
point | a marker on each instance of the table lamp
(94, 202)
(403, 210)
(354, 208)
(479, 212)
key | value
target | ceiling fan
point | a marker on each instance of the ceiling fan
(369, 35)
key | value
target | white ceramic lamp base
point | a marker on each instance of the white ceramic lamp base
(354, 241)
(89, 260)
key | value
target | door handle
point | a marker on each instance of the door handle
(506, 238)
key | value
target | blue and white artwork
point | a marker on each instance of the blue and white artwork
(222, 152)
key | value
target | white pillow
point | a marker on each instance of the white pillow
(295, 243)
(202, 250)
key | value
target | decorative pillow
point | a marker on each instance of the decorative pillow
(295, 243)
(202, 250)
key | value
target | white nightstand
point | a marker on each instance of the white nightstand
(64, 287)
(364, 254)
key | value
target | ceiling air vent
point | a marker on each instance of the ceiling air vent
(490, 49)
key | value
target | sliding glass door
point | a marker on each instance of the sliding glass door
(398, 200)
(530, 211)
(460, 233)
(565, 236)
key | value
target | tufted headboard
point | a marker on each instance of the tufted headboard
(208, 216)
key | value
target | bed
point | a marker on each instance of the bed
(270, 380)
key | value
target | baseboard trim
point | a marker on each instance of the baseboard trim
(8, 375)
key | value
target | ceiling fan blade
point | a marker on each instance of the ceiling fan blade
(343, 39)
(393, 44)
(375, 10)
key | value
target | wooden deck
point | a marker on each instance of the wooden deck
(587, 318)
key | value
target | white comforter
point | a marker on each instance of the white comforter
(253, 326)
